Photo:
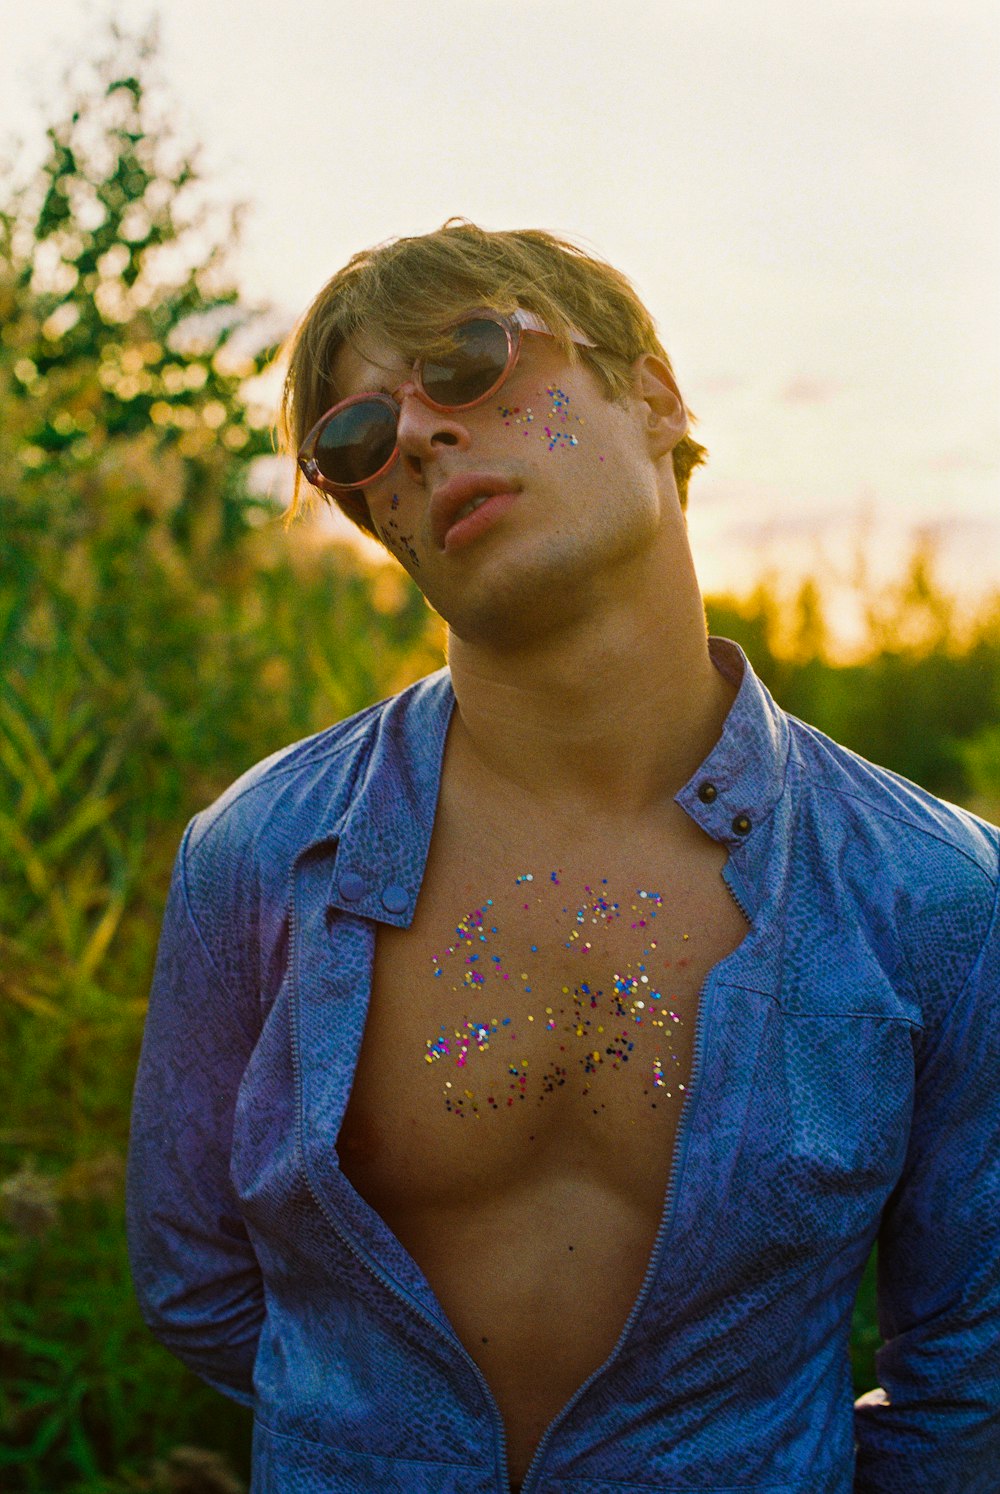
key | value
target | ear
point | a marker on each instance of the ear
(661, 408)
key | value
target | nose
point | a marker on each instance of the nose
(421, 428)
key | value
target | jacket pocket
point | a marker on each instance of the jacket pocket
(282, 1463)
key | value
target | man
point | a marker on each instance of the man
(534, 1058)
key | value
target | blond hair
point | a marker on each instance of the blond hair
(401, 292)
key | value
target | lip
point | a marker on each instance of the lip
(477, 523)
(457, 491)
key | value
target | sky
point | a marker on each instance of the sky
(806, 198)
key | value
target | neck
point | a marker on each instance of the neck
(606, 716)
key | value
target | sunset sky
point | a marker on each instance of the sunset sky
(807, 199)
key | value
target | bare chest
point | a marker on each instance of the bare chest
(526, 1058)
(539, 1013)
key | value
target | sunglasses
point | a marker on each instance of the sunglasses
(355, 441)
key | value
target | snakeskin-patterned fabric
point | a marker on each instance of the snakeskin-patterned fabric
(847, 1088)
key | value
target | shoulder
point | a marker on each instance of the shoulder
(886, 812)
(237, 852)
(919, 874)
(278, 790)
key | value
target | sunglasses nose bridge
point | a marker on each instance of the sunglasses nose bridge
(418, 419)
(405, 412)
(412, 385)
(411, 399)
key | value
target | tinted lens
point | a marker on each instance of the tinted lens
(355, 444)
(468, 373)
(358, 442)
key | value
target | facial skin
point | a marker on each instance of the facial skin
(564, 510)
(576, 627)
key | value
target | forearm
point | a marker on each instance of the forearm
(933, 1448)
(202, 1301)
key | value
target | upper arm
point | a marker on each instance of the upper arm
(193, 1265)
(937, 1425)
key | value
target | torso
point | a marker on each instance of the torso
(528, 1182)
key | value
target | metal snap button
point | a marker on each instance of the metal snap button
(707, 792)
(741, 824)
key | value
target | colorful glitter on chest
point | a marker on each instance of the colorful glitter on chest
(597, 1026)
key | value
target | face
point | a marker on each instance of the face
(593, 486)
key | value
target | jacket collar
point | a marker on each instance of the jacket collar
(384, 834)
(742, 778)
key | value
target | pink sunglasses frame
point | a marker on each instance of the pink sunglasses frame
(515, 324)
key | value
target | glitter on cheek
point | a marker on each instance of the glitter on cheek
(553, 433)
(558, 417)
(512, 414)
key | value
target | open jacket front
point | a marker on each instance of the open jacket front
(845, 1087)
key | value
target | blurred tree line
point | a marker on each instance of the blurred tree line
(924, 698)
(160, 632)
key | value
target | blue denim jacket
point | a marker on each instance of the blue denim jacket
(846, 1086)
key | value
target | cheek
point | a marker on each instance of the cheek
(549, 418)
(392, 535)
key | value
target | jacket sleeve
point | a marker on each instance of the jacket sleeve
(194, 1268)
(934, 1425)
